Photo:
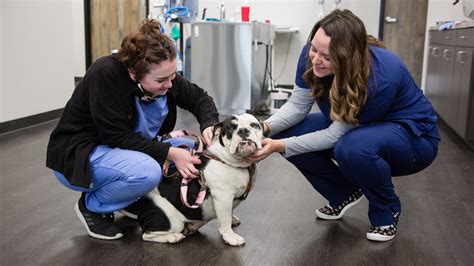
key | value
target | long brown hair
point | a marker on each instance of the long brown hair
(350, 58)
(147, 46)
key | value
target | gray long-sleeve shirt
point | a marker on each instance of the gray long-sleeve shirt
(293, 112)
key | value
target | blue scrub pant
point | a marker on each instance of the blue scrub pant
(368, 156)
(120, 177)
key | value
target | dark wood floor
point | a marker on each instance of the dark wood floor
(39, 226)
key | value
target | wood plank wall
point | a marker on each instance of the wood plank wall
(111, 21)
(406, 37)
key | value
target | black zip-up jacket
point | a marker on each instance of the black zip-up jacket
(101, 111)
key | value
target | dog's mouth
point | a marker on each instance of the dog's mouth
(246, 147)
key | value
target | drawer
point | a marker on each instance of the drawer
(447, 37)
(465, 37)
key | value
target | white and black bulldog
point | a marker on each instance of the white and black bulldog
(164, 216)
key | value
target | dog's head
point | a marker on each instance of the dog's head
(240, 134)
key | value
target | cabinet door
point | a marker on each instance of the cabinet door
(463, 82)
(448, 94)
(433, 76)
(429, 72)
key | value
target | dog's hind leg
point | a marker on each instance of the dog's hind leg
(162, 222)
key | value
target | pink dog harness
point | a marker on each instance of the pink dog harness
(198, 150)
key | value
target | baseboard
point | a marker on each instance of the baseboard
(29, 121)
(454, 136)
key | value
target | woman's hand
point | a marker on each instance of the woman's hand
(207, 135)
(269, 146)
(184, 162)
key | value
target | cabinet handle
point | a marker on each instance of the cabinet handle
(462, 37)
(459, 57)
(445, 55)
(435, 50)
(447, 37)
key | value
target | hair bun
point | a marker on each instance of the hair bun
(150, 27)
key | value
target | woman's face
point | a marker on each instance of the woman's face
(158, 80)
(319, 54)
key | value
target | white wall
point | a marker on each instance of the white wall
(439, 10)
(42, 49)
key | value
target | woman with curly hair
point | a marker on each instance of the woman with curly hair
(107, 142)
(374, 122)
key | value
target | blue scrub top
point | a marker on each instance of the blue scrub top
(151, 117)
(393, 95)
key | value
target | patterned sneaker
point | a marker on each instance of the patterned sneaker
(385, 232)
(98, 225)
(329, 212)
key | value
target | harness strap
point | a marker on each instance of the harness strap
(207, 154)
(201, 195)
(252, 171)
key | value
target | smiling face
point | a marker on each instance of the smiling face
(158, 79)
(319, 54)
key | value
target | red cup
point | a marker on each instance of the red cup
(245, 11)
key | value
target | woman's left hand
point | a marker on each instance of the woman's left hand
(207, 135)
(269, 146)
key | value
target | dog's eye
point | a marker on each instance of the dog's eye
(255, 125)
(230, 127)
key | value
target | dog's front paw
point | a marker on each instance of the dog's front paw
(162, 237)
(233, 239)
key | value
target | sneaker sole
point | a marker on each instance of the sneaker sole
(378, 237)
(331, 217)
(92, 234)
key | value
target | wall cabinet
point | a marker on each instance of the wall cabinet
(450, 79)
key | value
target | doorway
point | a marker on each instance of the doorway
(404, 25)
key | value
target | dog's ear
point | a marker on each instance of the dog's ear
(262, 126)
(226, 129)
(216, 132)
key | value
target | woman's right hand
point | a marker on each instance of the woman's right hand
(269, 146)
(184, 162)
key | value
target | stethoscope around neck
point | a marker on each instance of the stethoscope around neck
(147, 97)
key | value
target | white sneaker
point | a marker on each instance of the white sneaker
(334, 213)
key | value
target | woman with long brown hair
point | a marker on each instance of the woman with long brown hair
(374, 122)
(107, 142)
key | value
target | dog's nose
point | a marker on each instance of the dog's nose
(243, 132)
